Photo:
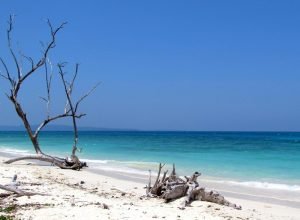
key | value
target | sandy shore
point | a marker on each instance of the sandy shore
(105, 197)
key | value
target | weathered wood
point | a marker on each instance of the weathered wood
(212, 196)
(71, 109)
(175, 192)
(189, 193)
(173, 176)
(61, 163)
(164, 176)
(14, 189)
(156, 189)
(173, 187)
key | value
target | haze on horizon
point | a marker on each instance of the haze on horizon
(166, 65)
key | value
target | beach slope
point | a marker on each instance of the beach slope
(86, 195)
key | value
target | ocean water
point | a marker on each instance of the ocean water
(255, 159)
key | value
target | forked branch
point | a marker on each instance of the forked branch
(43, 59)
(16, 84)
(173, 187)
(68, 88)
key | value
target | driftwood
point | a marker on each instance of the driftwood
(13, 187)
(63, 163)
(173, 187)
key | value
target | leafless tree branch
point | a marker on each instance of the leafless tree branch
(12, 82)
(43, 59)
(68, 87)
(84, 96)
(9, 30)
(68, 92)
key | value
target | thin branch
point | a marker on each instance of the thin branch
(12, 82)
(3, 76)
(86, 95)
(29, 59)
(158, 176)
(48, 85)
(43, 98)
(43, 59)
(68, 92)
(73, 80)
(9, 30)
(46, 121)
(70, 85)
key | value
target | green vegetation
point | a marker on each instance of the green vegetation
(2, 217)
(8, 209)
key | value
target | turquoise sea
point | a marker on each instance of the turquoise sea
(258, 159)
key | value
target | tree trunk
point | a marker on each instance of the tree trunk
(60, 162)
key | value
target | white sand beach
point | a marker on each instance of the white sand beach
(86, 195)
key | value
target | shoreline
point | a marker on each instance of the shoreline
(107, 188)
(292, 199)
(133, 168)
(232, 190)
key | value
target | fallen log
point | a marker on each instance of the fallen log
(73, 163)
(173, 187)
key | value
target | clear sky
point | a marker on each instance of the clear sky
(167, 65)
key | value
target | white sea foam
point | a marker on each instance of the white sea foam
(121, 170)
(95, 161)
(139, 162)
(132, 167)
(119, 162)
(139, 167)
(14, 151)
(264, 185)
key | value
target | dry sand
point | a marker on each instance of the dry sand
(103, 197)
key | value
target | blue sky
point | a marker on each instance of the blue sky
(167, 65)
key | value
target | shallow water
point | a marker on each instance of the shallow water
(255, 159)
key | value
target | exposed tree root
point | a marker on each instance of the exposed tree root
(173, 187)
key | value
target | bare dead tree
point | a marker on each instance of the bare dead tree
(16, 79)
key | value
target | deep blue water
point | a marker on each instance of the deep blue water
(241, 156)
